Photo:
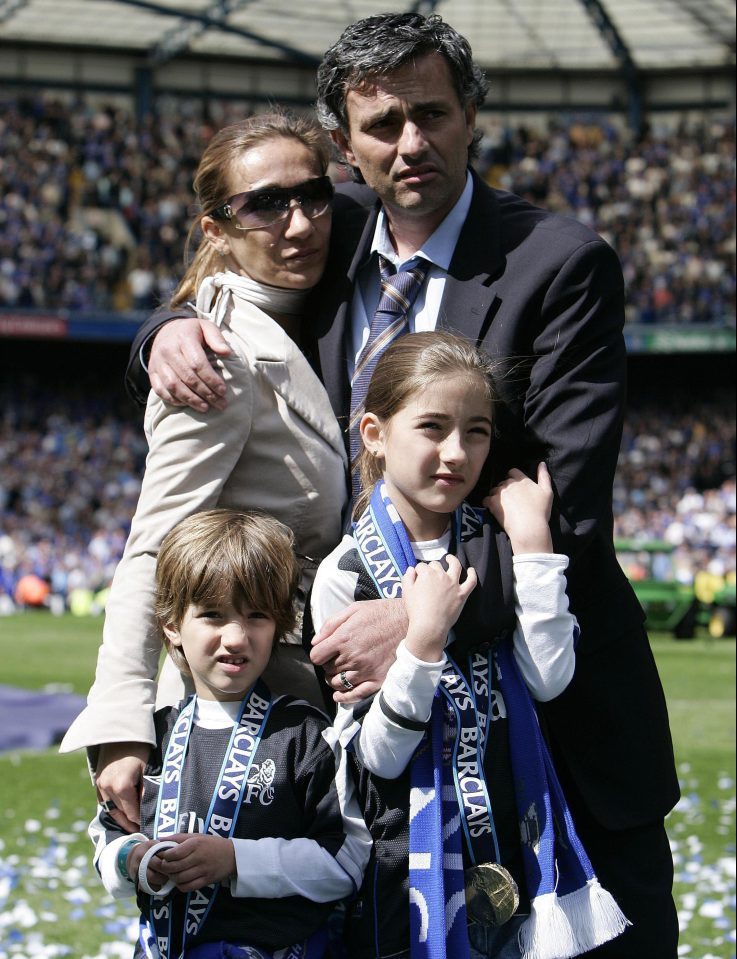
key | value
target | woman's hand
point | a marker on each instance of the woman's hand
(118, 778)
(522, 506)
(434, 597)
(359, 645)
(180, 371)
(198, 860)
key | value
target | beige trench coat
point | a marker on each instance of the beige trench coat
(276, 447)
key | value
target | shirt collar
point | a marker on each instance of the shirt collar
(439, 247)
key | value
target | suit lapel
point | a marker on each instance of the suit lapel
(295, 381)
(350, 243)
(469, 300)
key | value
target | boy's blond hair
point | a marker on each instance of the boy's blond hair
(226, 555)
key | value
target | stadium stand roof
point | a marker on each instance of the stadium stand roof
(616, 35)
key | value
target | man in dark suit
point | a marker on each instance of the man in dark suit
(544, 295)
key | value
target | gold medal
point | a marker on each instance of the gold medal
(492, 896)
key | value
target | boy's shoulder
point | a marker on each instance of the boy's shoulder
(291, 711)
(286, 708)
(295, 731)
(165, 717)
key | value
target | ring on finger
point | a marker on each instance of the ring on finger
(108, 805)
(347, 684)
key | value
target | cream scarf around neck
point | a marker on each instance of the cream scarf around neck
(215, 292)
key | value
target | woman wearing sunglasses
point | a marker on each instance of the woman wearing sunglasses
(275, 445)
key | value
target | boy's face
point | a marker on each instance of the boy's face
(227, 649)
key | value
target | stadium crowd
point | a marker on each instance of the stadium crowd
(94, 212)
(665, 202)
(70, 469)
(675, 482)
(95, 205)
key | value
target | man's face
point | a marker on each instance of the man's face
(409, 136)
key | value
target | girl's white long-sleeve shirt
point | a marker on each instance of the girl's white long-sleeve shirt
(543, 645)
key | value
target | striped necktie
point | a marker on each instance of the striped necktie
(398, 293)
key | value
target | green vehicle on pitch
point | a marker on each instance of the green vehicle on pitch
(672, 606)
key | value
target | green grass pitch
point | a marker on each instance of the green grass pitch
(51, 903)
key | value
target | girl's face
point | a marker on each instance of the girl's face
(227, 649)
(290, 253)
(432, 451)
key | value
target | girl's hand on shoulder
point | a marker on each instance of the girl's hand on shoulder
(198, 860)
(522, 507)
(434, 597)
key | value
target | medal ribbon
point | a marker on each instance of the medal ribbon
(480, 667)
(437, 893)
(314, 948)
(470, 705)
(176, 918)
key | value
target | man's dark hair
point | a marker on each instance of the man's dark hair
(381, 44)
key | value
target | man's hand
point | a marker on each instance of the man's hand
(118, 777)
(198, 860)
(522, 506)
(361, 643)
(180, 371)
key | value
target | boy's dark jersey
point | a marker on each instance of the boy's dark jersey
(290, 794)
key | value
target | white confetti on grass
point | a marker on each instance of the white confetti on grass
(704, 890)
(42, 860)
(45, 882)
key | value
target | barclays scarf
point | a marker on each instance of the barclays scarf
(571, 913)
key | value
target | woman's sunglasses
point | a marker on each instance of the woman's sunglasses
(258, 209)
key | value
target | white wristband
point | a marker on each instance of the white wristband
(143, 870)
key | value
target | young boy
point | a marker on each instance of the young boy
(243, 841)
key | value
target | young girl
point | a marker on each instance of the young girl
(448, 760)
(242, 839)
